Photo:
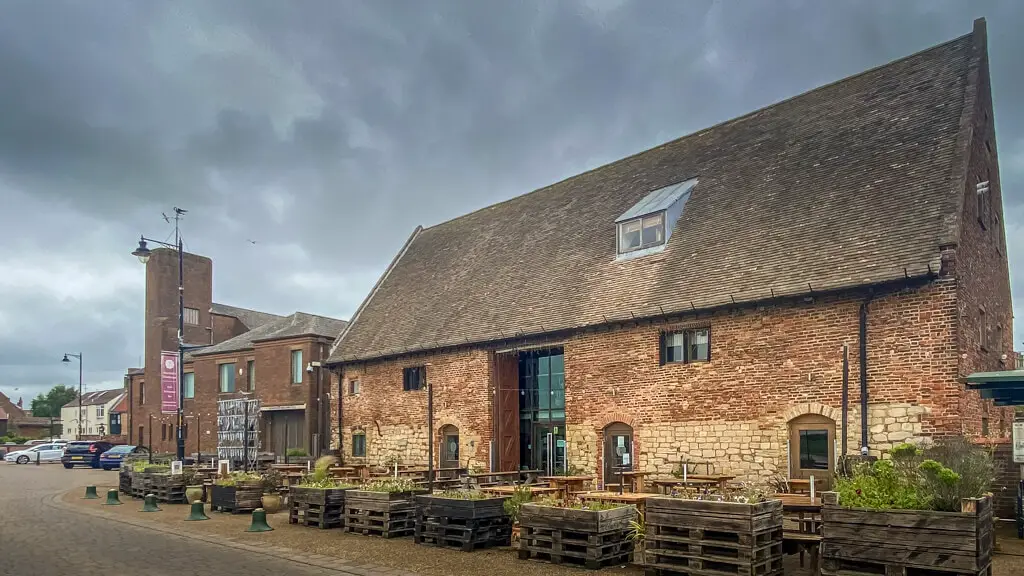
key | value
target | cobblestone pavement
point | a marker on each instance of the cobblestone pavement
(40, 534)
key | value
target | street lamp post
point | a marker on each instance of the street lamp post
(68, 360)
(143, 253)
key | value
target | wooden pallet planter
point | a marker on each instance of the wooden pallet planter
(320, 507)
(242, 497)
(140, 484)
(901, 542)
(708, 538)
(124, 481)
(384, 514)
(463, 524)
(167, 488)
(591, 538)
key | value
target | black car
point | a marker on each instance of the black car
(84, 453)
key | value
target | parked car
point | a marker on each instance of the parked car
(84, 453)
(112, 458)
(45, 453)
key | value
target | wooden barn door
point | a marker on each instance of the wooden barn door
(506, 370)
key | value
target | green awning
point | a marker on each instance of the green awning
(1005, 388)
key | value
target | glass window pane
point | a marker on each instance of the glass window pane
(699, 345)
(629, 235)
(190, 384)
(814, 449)
(674, 347)
(653, 230)
(558, 364)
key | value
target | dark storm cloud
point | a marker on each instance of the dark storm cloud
(326, 130)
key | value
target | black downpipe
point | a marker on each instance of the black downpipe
(846, 397)
(864, 374)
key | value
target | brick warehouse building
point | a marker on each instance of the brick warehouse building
(260, 348)
(692, 302)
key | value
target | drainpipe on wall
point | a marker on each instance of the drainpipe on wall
(863, 344)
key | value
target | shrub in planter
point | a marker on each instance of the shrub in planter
(319, 500)
(382, 508)
(912, 511)
(238, 492)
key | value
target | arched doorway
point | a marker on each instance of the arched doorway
(812, 441)
(449, 457)
(618, 450)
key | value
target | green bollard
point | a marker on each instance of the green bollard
(259, 521)
(149, 503)
(90, 493)
(197, 512)
(112, 499)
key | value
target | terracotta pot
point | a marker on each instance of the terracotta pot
(271, 503)
(193, 493)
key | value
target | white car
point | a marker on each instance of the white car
(45, 453)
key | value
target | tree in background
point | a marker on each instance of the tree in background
(48, 405)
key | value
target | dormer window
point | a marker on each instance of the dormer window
(647, 226)
(639, 233)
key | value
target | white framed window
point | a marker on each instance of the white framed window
(189, 384)
(353, 387)
(686, 346)
(639, 233)
(296, 366)
(227, 377)
(99, 411)
(191, 316)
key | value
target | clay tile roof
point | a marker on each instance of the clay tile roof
(848, 184)
(251, 318)
(298, 324)
(96, 398)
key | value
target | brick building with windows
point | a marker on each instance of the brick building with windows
(695, 302)
(235, 352)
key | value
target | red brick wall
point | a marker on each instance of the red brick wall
(273, 388)
(982, 272)
(395, 421)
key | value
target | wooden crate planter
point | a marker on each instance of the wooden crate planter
(242, 497)
(385, 514)
(320, 507)
(699, 537)
(124, 481)
(899, 542)
(462, 524)
(140, 484)
(167, 488)
(591, 538)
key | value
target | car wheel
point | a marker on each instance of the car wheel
(69, 466)
(22, 459)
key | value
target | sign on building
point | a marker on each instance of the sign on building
(169, 382)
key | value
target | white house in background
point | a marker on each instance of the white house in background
(96, 408)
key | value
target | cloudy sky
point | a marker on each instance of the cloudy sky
(326, 130)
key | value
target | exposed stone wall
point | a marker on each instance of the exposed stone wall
(395, 421)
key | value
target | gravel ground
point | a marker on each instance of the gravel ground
(403, 554)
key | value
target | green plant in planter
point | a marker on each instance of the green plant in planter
(296, 453)
(520, 495)
(577, 504)
(391, 485)
(190, 476)
(637, 528)
(270, 481)
(237, 477)
(462, 495)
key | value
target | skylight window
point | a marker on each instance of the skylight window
(646, 227)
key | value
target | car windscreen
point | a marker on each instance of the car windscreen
(120, 450)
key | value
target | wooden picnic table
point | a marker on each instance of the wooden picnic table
(636, 499)
(721, 479)
(663, 485)
(804, 534)
(635, 479)
(569, 484)
(511, 476)
(510, 490)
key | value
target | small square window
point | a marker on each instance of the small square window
(686, 346)
(359, 445)
(353, 387)
(414, 378)
(191, 316)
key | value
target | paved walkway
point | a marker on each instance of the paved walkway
(40, 534)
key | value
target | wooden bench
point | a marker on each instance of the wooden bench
(803, 542)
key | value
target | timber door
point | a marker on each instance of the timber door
(287, 429)
(506, 396)
(812, 440)
(618, 451)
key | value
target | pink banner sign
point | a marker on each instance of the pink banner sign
(169, 382)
